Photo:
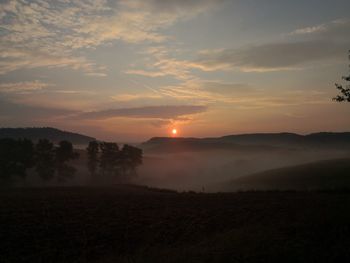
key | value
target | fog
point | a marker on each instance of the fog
(210, 170)
(189, 170)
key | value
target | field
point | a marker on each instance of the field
(137, 224)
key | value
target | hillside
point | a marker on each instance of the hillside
(52, 134)
(258, 141)
(328, 174)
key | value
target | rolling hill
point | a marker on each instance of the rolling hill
(52, 134)
(328, 174)
(322, 140)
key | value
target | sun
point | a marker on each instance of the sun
(174, 131)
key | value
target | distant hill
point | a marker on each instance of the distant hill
(286, 139)
(52, 134)
(255, 141)
(173, 145)
(328, 174)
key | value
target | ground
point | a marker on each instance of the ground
(136, 224)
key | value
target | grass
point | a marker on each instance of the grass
(135, 224)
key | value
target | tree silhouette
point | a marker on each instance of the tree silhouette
(92, 152)
(65, 153)
(113, 162)
(344, 91)
(16, 156)
(25, 155)
(131, 157)
(109, 159)
(45, 159)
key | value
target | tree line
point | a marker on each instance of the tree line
(48, 161)
(107, 161)
(53, 162)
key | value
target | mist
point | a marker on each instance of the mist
(210, 171)
(200, 171)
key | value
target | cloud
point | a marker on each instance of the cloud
(301, 48)
(304, 46)
(152, 74)
(35, 34)
(271, 57)
(57, 33)
(23, 58)
(309, 30)
(161, 123)
(38, 94)
(180, 7)
(338, 28)
(20, 114)
(241, 96)
(152, 112)
(166, 67)
(26, 86)
(211, 92)
(224, 88)
(133, 97)
(164, 63)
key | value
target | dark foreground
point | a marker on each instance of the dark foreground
(131, 224)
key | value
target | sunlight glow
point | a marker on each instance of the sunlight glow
(174, 131)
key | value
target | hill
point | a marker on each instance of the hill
(328, 174)
(52, 134)
(171, 145)
(323, 140)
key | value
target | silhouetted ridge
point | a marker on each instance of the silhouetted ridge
(270, 140)
(285, 138)
(165, 144)
(265, 138)
(52, 134)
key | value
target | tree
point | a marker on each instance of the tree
(113, 162)
(109, 159)
(24, 154)
(45, 159)
(65, 153)
(16, 156)
(344, 91)
(92, 152)
(131, 157)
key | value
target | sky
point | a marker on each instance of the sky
(130, 70)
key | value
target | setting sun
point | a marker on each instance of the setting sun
(174, 131)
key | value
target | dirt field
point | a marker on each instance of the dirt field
(136, 224)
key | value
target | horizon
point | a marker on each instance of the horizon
(133, 70)
(181, 137)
